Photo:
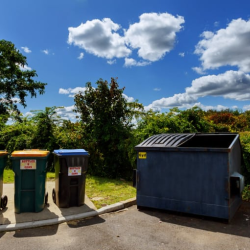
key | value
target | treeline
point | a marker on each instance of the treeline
(109, 128)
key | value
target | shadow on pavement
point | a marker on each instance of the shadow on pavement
(85, 222)
(239, 225)
(3, 219)
(36, 232)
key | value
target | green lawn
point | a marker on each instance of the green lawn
(101, 191)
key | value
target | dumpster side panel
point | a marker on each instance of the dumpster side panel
(234, 166)
(192, 182)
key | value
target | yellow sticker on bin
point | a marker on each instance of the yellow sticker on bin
(30, 153)
(142, 155)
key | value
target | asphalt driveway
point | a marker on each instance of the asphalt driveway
(133, 229)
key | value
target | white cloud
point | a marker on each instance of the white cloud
(129, 99)
(231, 84)
(205, 107)
(199, 70)
(154, 35)
(45, 51)
(157, 89)
(229, 46)
(99, 37)
(216, 24)
(80, 57)
(71, 92)
(67, 113)
(25, 67)
(110, 62)
(63, 91)
(13, 100)
(26, 49)
(246, 107)
(175, 101)
(182, 54)
(129, 62)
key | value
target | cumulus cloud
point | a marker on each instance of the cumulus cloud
(246, 107)
(110, 62)
(129, 62)
(206, 107)
(174, 101)
(231, 84)
(157, 89)
(80, 57)
(229, 46)
(25, 67)
(154, 35)
(26, 49)
(99, 37)
(199, 70)
(182, 54)
(71, 92)
(129, 99)
(67, 113)
(45, 51)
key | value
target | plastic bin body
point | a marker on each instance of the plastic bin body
(70, 175)
(193, 176)
(3, 160)
(29, 167)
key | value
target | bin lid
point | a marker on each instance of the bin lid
(70, 152)
(30, 153)
(2, 153)
(166, 140)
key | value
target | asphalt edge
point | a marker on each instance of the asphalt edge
(107, 209)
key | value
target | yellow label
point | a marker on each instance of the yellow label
(142, 155)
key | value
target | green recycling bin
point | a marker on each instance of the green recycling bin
(3, 160)
(30, 179)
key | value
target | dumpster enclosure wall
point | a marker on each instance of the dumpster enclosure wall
(192, 173)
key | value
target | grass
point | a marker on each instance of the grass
(101, 191)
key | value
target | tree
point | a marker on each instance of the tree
(45, 124)
(106, 118)
(16, 82)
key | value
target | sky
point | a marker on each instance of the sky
(165, 53)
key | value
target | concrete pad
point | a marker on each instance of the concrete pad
(51, 211)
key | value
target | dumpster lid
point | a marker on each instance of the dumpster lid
(3, 152)
(30, 153)
(166, 140)
(70, 152)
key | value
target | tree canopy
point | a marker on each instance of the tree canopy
(16, 81)
(106, 116)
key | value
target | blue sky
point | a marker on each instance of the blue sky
(165, 53)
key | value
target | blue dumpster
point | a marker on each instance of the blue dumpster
(190, 173)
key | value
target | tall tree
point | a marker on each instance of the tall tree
(106, 117)
(16, 82)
